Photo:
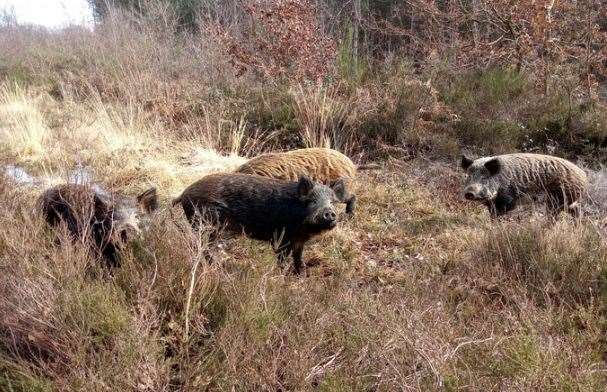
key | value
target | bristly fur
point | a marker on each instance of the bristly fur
(500, 180)
(284, 213)
(100, 217)
(320, 164)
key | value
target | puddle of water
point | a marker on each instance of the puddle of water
(80, 175)
(19, 175)
(84, 175)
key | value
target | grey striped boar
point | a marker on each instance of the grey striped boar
(107, 222)
(285, 213)
(499, 181)
(320, 164)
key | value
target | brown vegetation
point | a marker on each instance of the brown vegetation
(420, 291)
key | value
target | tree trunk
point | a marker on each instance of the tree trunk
(356, 34)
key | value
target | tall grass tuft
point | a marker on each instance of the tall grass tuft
(324, 119)
(23, 128)
(565, 262)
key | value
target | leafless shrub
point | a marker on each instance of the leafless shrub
(285, 41)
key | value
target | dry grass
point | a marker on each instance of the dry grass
(420, 291)
(18, 112)
(50, 139)
(324, 120)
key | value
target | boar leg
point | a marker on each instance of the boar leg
(350, 204)
(109, 251)
(191, 213)
(283, 255)
(296, 251)
(111, 254)
(61, 212)
(502, 204)
(557, 202)
(283, 251)
(199, 215)
(492, 209)
(212, 239)
(574, 210)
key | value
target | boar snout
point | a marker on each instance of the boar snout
(324, 218)
(476, 192)
(329, 217)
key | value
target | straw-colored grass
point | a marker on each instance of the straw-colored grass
(419, 291)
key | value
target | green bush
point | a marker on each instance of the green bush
(13, 379)
(484, 91)
(501, 111)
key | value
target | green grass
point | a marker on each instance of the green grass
(13, 379)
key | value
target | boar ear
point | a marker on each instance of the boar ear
(466, 162)
(148, 200)
(304, 186)
(493, 166)
(339, 187)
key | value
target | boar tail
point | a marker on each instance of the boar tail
(175, 201)
(369, 166)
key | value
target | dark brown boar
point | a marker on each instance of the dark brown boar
(284, 213)
(103, 219)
